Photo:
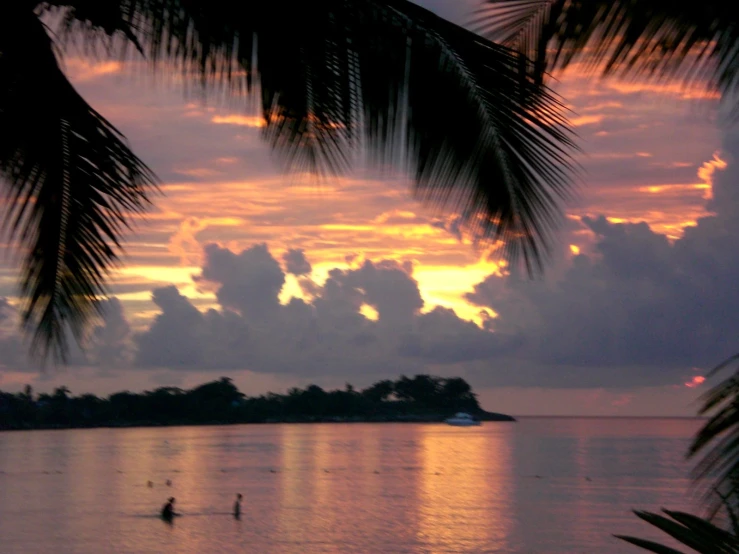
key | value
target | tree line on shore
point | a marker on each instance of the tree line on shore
(420, 398)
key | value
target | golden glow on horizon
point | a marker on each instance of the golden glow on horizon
(574, 249)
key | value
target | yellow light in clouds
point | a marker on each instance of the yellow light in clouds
(439, 285)
(346, 227)
(574, 249)
(369, 312)
(659, 189)
(445, 286)
(706, 171)
(162, 274)
(243, 120)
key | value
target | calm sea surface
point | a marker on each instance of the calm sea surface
(347, 488)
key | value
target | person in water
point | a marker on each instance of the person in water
(237, 506)
(168, 510)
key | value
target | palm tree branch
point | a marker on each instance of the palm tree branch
(650, 546)
(696, 533)
(72, 184)
(658, 38)
(386, 74)
(717, 442)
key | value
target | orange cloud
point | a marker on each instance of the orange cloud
(695, 381)
(586, 120)
(243, 120)
(670, 89)
(659, 189)
(82, 70)
(198, 172)
(706, 172)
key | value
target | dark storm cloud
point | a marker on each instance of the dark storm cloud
(296, 263)
(107, 346)
(638, 310)
(249, 282)
(328, 336)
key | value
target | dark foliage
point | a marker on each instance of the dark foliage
(333, 77)
(717, 443)
(221, 402)
(696, 533)
(664, 39)
(717, 474)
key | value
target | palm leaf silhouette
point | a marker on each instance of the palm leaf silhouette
(717, 472)
(333, 76)
(690, 42)
(718, 443)
(696, 533)
(72, 183)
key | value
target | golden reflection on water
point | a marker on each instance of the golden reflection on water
(321, 459)
(465, 501)
(340, 488)
(294, 488)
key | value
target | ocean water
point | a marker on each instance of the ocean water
(344, 488)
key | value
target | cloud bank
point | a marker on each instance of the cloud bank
(634, 310)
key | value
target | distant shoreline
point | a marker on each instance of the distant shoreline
(421, 399)
(486, 417)
(610, 417)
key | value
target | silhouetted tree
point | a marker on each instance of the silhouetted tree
(221, 402)
(28, 393)
(380, 391)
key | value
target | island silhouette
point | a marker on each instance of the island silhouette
(422, 398)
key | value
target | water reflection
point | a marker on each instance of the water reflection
(465, 497)
(296, 488)
(339, 488)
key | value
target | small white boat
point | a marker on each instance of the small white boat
(462, 419)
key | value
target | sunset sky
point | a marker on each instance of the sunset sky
(638, 303)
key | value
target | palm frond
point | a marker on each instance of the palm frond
(718, 442)
(389, 75)
(696, 533)
(660, 38)
(71, 180)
